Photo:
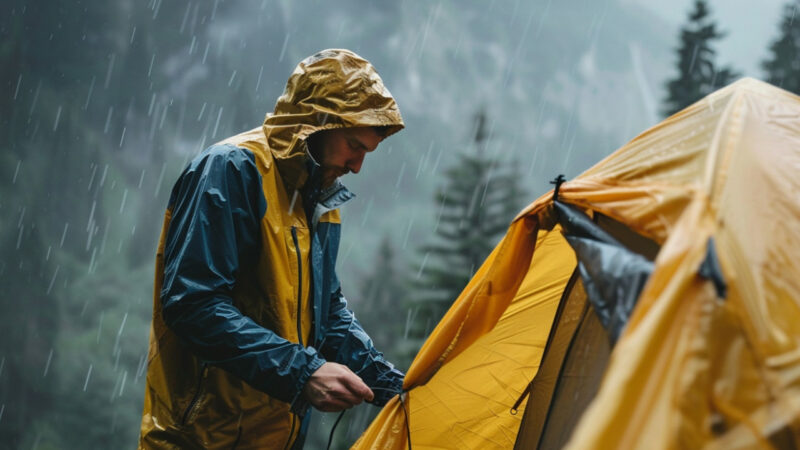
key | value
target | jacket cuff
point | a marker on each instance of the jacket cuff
(299, 404)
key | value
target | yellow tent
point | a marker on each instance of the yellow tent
(707, 206)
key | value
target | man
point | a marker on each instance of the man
(250, 327)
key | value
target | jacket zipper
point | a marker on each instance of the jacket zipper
(196, 396)
(299, 287)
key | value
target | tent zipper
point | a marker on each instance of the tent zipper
(299, 287)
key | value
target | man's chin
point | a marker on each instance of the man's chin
(328, 181)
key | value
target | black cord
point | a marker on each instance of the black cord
(330, 438)
(408, 427)
(338, 419)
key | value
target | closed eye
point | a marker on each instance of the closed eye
(356, 145)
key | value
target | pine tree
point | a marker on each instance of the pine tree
(783, 66)
(698, 75)
(480, 197)
(382, 293)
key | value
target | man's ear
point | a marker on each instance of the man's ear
(314, 143)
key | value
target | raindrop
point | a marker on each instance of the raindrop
(399, 178)
(424, 161)
(222, 42)
(366, 212)
(116, 354)
(91, 216)
(152, 103)
(122, 138)
(19, 237)
(103, 178)
(233, 75)
(112, 58)
(124, 198)
(63, 235)
(19, 82)
(160, 179)
(121, 326)
(21, 216)
(133, 34)
(431, 19)
(283, 49)
(141, 178)
(105, 235)
(47, 365)
(35, 98)
(194, 17)
(108, 119)
(122, 385)
(205, 53)
(2, 364)
(347, 252)
(422, 266)
(100, 326)
(88, 374)
(116, 386)
(409, 316)
(202, 110)
(150, 69)
(408, 232)
(163, 116)
(53, 280)
(191, 46)
(258, 83)
(91, 179)
(157, 8)
(16, 172)
(92, 266)
(49, 249)
(185, 16)
(89, 95)
(216, 125)
(140, 368)
(2, 408)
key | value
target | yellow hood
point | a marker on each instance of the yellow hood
(334, 88)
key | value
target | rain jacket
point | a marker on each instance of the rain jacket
(247, 304)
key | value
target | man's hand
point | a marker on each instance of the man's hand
(334, 387)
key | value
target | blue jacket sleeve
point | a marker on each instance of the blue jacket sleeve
(347, 343)
(216, 206)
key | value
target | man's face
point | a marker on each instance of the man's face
(342, 150)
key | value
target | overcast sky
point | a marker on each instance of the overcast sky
(751, 26)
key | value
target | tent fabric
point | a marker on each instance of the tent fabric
(613, 276)
(472, 393)
(690, 369)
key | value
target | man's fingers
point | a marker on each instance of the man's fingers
(334, 387)
(345, 394)
(333, 405)
(357, 386)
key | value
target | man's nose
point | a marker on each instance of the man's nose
(354, 165)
